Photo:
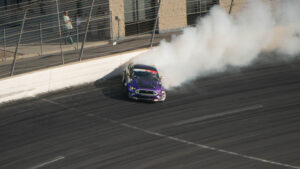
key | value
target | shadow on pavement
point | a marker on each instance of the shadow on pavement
(111, 85)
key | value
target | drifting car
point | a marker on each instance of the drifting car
(142, 82)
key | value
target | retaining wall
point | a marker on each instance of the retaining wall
(47, 80)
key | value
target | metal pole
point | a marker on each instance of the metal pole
(154, 27)
(118, 28)
(137, 15)
(17, 47)
(111, 27)
(77, 36)
(4, 42)
(41, 37)
(59, 29)
(232, 2)
(86, 30)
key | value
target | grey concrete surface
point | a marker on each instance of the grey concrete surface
(241, 119)
(34, 50)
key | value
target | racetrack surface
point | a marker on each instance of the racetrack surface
(244, 118)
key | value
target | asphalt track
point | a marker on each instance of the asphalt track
(241, 119)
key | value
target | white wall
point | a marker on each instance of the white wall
(46, 80)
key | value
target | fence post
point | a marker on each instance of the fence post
(154, 27)
(118, 28)
(59, 29)
(232, 3)
(111, 27)
(17, 47)
(86, 30)
(41, 37)
(77, 36)
(4, 42)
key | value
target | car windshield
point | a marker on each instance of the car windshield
(145, 74)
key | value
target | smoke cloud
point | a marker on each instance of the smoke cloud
(220, 40)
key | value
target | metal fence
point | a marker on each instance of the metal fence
(38, 27)
(36, 30)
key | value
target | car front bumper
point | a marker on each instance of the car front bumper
(156, 98)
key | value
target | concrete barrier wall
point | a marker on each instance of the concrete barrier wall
(46, 80)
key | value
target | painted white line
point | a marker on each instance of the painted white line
(48, 162)
(207, 117)
(180, 140)
(205, 146)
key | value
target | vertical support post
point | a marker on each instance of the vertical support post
(59, 29)
(17, 47)
(86, 30)
(111, 27)
(77, 36)
(155, 24)
(232, 3)
(118, 28)
(41, 37)
(4, 42)
(137, 15)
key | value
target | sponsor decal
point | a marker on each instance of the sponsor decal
(145, 70)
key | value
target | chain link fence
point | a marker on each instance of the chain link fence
(33, 33)
(37, 29)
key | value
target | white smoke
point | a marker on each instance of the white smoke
(220, 40)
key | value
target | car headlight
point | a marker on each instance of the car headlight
(132, 88)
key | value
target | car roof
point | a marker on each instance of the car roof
(141, 66)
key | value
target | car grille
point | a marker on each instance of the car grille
(146, 92)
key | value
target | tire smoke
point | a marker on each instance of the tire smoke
(220, 40)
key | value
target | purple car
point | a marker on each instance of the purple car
(143, 82)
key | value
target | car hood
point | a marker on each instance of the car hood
(146, 83)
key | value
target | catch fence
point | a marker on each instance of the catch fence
(36, 29)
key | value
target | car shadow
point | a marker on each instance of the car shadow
(111, 85)
(112, 88)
